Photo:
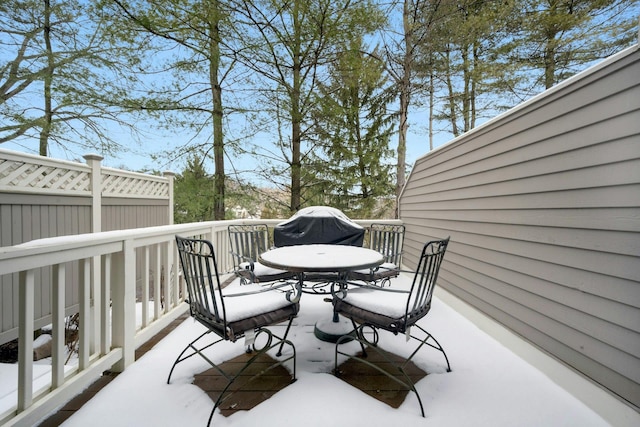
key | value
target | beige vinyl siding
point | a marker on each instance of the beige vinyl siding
(543, 208)
(124, 213)
(25, 217)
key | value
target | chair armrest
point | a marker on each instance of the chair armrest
(259, 290)
(240, 258)
(378, 288)
(292, 294)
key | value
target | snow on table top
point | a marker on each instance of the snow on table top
(319, 258)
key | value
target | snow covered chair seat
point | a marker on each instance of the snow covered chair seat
(395, 309)
(245, 312)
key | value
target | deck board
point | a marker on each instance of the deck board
(359, 375)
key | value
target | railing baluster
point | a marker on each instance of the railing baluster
(57, 319)
(166, 284)
(95, 306)
(105, 314)
(145, 287)
(172, 261)
(157, 292)
(84, 334)
(25, 339)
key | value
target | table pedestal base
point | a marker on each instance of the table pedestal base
(330, 331)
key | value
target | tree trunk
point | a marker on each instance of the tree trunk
(405, 95)
(452, 101)
(216, 95)
(549, 62)
(431, 106)
(466, 94)
(296, 137)
(48, 79)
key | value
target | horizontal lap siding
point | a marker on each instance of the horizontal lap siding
(121, 214)
(543, 209)
(25, 217)
(28, 217)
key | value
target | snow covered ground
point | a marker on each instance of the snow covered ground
(488, 386)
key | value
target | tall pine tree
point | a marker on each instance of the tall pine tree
(353, 128)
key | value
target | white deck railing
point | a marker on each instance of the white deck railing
(108, 298)
(107, 303)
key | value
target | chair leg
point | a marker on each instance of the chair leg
(269, 346)
(359, 337)
(436, 345)
(195, 351)
(284, 338)
(405, 380)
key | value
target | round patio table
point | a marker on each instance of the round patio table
(339, 259)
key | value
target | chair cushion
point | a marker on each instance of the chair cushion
(362, 316)
(263, 270)
(240, 306)
(236, 329)
(380, 306)
(321, 277)
(247, 312)
(389, 304)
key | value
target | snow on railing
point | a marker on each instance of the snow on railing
(108, 294)
(108, 297)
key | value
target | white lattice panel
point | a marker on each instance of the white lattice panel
(20, 172)
(132, 185)
(29, 177)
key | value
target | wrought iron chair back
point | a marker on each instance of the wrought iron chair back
(222, 313)
(388, 239)
(199, 269)
(396, 309)
(247, 242)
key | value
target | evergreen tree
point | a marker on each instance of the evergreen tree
(193, 195)
(354, 130)
(553, 39)
(287, 48)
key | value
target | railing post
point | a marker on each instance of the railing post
(170, 177)
(124, 304)
(95, 163)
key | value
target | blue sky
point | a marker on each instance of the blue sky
(138, 156)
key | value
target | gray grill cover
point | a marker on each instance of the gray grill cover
(318, 225)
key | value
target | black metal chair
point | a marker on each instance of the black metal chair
(396, 309)
(247, 242)
(232, 315)
(387, 239)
